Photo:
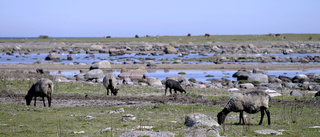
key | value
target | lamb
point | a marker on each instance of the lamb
(251, 102)
(110, 82)
(42, 88)
(175, 85)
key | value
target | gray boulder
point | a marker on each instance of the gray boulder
(94, 74)
(101, 65)
(300, 78)
(170, 50)
(313, 76)
(69, 57)
(285, 78)
(262, 78)
(242, 74)
(198, 119)
(247, 86)
(53, 57)
(154, 82)
(146, 133)
(134, 74)
(295, 93)
(180, 78)
(201, 132)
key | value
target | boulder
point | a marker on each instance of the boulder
(285, 78)
(201, 132)
(300, 78)
(247, 86)
(313, 76)
(95, 47)
(115, 52)
(134, 74)
(198, 119)
(69, 57)
(287, 51)
(94, 74)
(154, 82)
(295, 93)
(53, 57)
(262, 78)
(147, 134)
(257, 70)
(101, 65)
(180, 78)
(242, 75)
(170, 50)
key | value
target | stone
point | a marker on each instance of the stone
(247, 86)
(242, 74)
(94, 74)
(201, 132)
(180, 78)
(147, 133)
(69, 57)
(101, 65)
(262, 78)
(295, 93)
(300, 78)
(268, 132)
(198, 119)
(154, 82)
(95, 47)
(170, 50)
(136, 74)
(53, 57)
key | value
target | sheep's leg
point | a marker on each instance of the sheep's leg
(268, 114)
(175, 91)
(35, 100)
(108, 91)
(49, 100)
(170, 91)
(241, 117)
(262, 115)
(165, 92)
(44, 103)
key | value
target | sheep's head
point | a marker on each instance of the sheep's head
(28, 99)
(222, 116)
(183, 91)
(115, 91)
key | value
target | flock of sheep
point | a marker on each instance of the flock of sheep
(251, 102)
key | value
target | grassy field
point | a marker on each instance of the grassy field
(21, 120)
(227, 38)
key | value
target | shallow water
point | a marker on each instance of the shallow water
(200, 75)
(90, 58)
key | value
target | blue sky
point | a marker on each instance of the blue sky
(126, 18)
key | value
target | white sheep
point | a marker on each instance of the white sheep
(251, 102)
(42, 88)
(110, 82)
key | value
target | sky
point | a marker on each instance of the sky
(126, 18)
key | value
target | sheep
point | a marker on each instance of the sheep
(110, 82)
(42, 88)
(175, 85)
(251, 102)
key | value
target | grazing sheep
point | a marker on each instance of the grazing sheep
(175, 85)
(42, 88)
(110, 82)
(251, 102)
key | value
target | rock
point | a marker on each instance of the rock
(256, 70)
(147, 134)
(247, 86)
(154, 82)
(120, 110)
(285, 78)
(134, 74)
(53, 57)
(177, 62)
(275, 86)
(268, 132)
(180, 78)
(128, 116)
(233, 89)
(94, 74)
(78, 132)
(79, 77)
(88, 117)
(101, 65)
(287, 51)
(198, 119)
(115, 52)
(69, 57)
(300, 78)
(201, 132)
(95, 47)
(106, 129)
(295, 93)
(170, 50)
(242, 74)
(262, 78)
(313, 76)
(274, 94)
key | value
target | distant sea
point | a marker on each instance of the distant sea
(50, 37)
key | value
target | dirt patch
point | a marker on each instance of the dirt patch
(76, 99)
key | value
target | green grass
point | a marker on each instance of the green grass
(266, 37)
(21, 120)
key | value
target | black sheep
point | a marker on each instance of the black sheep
(175, 85)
